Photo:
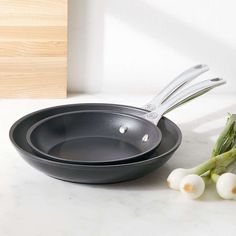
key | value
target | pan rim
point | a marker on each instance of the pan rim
(37, 158)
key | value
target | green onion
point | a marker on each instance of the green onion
(175, 177)
(191, 182)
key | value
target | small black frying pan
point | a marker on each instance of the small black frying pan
(94, 136)
(103, 137)
(118, 146)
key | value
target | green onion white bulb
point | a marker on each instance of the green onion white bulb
(176, 176)
(226, 186)
(192, 186)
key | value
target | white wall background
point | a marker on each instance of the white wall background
(139, 45)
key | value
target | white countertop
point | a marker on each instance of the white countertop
(33, 204)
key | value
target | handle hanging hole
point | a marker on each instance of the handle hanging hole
(215, 79)
(199, 66)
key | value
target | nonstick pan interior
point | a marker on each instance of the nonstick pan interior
(94, 137)
(94, 174)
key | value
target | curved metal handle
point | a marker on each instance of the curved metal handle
(180, 81)
(182, 97)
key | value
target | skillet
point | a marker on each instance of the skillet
(94, 137)
(94, 174)
(77, 138)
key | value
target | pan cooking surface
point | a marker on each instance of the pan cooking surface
(93, 148)
(94, 136)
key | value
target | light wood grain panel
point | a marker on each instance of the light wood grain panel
(33, 77)
(33, 49)
(33, 33)
(33, 12)
(33, 87)
(29, 49)
(30, 64)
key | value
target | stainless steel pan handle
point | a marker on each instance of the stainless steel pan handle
(180, 81)
(182, 97)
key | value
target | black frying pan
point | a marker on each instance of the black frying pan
(95, 137)
(94, 174)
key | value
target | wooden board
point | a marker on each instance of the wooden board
(33, 49)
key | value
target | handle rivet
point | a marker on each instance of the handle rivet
(123, 129)
(145, 138)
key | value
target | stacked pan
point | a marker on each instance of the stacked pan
(107, 143)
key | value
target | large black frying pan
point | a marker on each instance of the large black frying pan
(94, 174)
(95, 137)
